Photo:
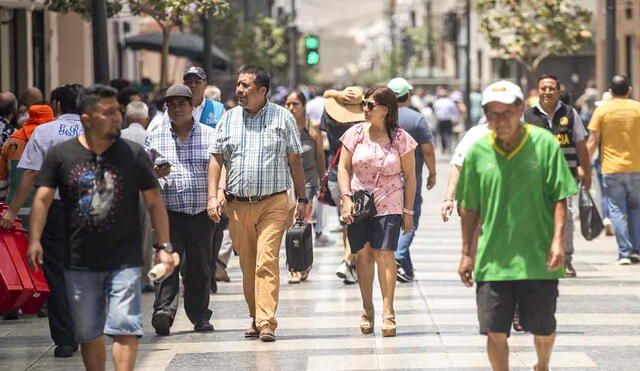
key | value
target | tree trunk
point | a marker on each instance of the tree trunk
(164, 59)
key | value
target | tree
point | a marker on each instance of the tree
(264, 42)
(529, 31)
(167, 13)
(171, 13)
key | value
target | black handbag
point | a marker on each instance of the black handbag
(590, 221)
(364, 205)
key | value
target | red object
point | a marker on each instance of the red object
(20, 287)
(41, 287)
(16, 286)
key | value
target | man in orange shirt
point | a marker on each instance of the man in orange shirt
(12, 149)
(615, 129)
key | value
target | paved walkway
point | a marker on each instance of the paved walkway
(598, 319)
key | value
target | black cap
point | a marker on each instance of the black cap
(195, 71)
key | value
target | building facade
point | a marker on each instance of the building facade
(47, 49)
(627, 43)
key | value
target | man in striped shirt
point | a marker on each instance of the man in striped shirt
(259, 144)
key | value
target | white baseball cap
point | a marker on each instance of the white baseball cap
(502, 91)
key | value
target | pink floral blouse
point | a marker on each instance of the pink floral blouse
(368, 157)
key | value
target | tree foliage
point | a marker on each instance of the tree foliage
(178, 12)
(263, 42)
(171, 13)
(419, 38)
(531, 30)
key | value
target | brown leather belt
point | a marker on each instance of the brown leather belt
(251, 199)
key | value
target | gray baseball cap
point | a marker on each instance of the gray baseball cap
(178, 90)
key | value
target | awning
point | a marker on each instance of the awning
(180, 44)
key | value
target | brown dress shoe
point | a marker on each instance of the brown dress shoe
(267, 334)
(252, 332)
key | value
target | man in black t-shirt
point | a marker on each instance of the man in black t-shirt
(99, 177)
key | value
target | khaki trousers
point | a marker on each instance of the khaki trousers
(256, 231)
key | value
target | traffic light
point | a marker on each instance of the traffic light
(311, 44)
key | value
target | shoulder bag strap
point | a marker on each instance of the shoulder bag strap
(384, 159)
(334, 161)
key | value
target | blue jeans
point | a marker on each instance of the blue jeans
(105, 302)
(623, 193)
(403, 257)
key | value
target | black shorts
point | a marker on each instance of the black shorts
(382, 232)
(536, 300)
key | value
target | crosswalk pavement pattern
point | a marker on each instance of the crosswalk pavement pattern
(598, 318)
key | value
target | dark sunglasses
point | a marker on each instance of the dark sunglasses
(369, 105)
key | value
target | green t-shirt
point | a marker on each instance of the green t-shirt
(514, 193)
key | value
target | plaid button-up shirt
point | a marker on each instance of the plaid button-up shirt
(185, 188)
(255, 149)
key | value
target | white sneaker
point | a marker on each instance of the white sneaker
(343, 270)
(624, 261)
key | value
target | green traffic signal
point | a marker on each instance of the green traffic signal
(311, 42)
(313, 58)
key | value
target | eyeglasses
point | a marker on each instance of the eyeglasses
(369, 105)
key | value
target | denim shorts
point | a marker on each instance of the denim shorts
(382, 232)
(105, 302)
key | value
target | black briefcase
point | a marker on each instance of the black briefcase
(299, 244)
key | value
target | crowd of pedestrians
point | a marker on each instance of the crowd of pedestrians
(113, 185)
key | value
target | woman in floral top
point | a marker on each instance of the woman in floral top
(378, 156)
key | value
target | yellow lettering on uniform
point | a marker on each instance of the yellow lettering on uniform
(563, 139)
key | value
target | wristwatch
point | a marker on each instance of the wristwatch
(303, 200)
(167, 246)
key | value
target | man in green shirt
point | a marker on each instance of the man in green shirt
(516, 181)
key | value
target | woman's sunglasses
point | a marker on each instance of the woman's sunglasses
(368, 105)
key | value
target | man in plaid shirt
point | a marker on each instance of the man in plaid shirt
(259, 143)
(179, 150)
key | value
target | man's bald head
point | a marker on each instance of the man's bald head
(8, 105)
(31, 96)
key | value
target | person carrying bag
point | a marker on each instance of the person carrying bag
(377, 182)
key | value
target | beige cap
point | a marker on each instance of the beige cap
(349, 112)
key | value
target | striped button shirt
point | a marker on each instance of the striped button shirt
(185, 188)
(255, 149)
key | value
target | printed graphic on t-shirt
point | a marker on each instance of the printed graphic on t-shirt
(98, 191)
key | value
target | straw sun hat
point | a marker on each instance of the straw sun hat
(348, 112)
